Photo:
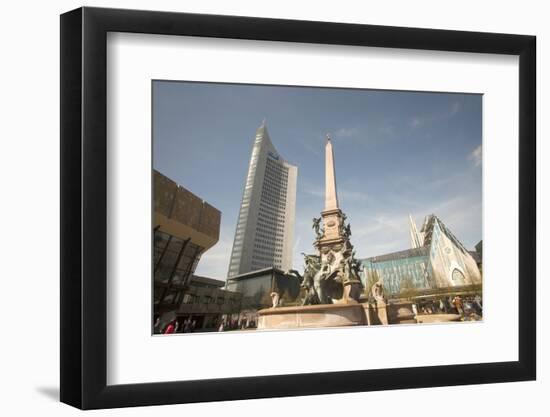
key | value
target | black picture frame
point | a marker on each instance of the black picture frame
(84, 207)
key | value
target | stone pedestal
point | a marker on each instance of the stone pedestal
(382, 312)
(401, 313)
(351, 293)
(377, 313)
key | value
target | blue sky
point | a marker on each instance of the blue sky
(395, 153)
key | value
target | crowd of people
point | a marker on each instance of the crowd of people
(178, 325)
(174, 326)
(234, 324)
(469, 308)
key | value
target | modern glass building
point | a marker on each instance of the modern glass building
(437, 259)
(256, 287)
(399, 270)
(265, 227)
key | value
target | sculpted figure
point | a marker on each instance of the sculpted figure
(275, 298)
(355, 265)
(317, 227)
(348, 272)
(330, 277)
(347, 230)
(327, 266)
(377, 291)
(327, 281)
(311, 268)
(319, 279)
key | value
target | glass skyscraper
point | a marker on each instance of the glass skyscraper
(265, 228)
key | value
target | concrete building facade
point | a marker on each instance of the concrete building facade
(264, 234)
(184, 227)
(207, 303)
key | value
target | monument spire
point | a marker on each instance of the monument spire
(331, 196)
(336, 255)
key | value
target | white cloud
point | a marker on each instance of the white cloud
(417, 122)
(426, 119)
(476, 156)
(346, 132)
(215, 261)
(312, 146)
(344, 194)
(316, 192)
(387, 128)
(455, 108)
(348, 196)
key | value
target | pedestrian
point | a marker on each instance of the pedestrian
(156, 326)
(171, 328)
(187, 326)
(477, 300)
(457, 302)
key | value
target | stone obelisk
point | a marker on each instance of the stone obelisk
(331, 195)
(335, 248)
(332, 215)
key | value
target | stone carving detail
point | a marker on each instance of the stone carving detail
(347, 230)
(377, 291)
(275, 299)
(379, 307)
(333, 275)
(317, 227)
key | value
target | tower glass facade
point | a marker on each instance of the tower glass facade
(265, 227)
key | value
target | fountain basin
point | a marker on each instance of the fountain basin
(437, 318)
(312, 316)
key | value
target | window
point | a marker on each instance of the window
(458, 277)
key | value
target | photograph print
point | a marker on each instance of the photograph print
(292, 207)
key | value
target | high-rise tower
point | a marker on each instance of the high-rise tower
(265, 228)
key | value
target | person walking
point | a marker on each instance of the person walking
(477, 300)
(156, 326)
(171, 328)
(187, 326)
(457, 302)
